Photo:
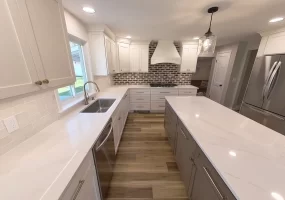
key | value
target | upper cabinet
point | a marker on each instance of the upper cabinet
(272, 43)
(139, 58)
(124, 57)
(103, 54)
(37, 54)
(189, 58)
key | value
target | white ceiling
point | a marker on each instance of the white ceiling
(181, 19)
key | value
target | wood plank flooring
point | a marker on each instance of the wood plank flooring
(145, 166)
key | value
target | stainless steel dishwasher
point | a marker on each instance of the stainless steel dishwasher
(104, 155)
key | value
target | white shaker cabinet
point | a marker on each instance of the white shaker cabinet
(36, 53)
(189, 58)
(139, 58)
(103, 54)
(124, 57)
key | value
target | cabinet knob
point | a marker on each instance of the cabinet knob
(46, 81)
(38, 82)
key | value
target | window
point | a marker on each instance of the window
(72, 91)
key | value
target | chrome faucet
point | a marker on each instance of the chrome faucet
(86, 96)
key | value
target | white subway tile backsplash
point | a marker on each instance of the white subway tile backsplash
(33, 113)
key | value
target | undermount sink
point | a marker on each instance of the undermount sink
(99, 106)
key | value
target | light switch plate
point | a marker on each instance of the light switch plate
(11, 124)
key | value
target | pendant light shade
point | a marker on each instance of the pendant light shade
(207, 43)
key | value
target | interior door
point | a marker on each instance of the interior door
(18, 69)
(261, 71)
(49, 30)
(275, 96)
(220, 71)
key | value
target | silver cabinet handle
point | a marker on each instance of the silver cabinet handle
(162, 106)
(139, 99)
(184, 134)
(213, 183)
(164, 92)
(79, 186)
(139, 92)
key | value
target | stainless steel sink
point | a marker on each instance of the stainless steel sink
(99, 106)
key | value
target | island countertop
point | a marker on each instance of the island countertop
(257, 171)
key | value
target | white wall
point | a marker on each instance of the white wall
(33, 113)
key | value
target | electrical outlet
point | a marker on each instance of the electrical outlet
(11, 124)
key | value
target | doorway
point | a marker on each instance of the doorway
(219, 75)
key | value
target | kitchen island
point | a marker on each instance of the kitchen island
(223, 153)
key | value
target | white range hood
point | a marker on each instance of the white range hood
(165, 52)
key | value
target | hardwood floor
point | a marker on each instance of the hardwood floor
(145, 165)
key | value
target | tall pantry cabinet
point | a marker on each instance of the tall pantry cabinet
(35, 53)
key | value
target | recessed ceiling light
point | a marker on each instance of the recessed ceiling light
(89, 10)
(196, 38)
(276, 196)
(128, 37)
(232, 153)
(277, 19)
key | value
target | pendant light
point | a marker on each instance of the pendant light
(207, 43)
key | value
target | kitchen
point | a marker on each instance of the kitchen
(95, 106)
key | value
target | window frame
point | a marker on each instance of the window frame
(77, 97)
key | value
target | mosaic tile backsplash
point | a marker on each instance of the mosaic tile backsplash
(158, 73)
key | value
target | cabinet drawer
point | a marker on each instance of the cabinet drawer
(140, 106)
(140, 98)
(158, 98)
(79, 176)
(139, 91)
(157, 105)
(204, 165)
(163, 91)
(187, 92)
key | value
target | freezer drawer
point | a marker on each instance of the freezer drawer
(263, 117)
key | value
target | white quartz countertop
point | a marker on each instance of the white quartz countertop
(42, 166)
(249, 157)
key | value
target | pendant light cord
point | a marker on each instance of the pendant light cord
(209, 30)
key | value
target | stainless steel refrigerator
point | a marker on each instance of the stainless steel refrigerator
(264, 100)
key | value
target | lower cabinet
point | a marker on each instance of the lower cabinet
(198, 174)
(207, 182)
(170, 123)
(84, 185)
(119, 119)
(185, 152)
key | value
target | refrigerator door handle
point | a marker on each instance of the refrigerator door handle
(272, 78)
(264, 112)
(267, 80)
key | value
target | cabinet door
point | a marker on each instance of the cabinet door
(108, 49)
(189, 58)
(134, 58)
(114, 57)
(185, 149)
(144, 53)
(18, 70)
(124, 57)
(49, 29)
(203, 187)
(89, 188)
(275, 44)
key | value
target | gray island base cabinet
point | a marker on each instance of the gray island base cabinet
(198, 174)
